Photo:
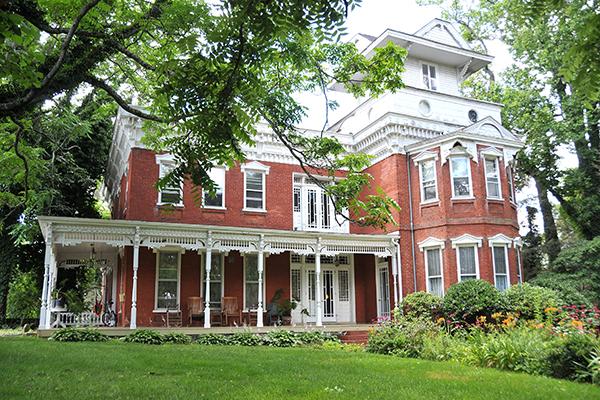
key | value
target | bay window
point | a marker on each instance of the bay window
(492, 178)
(460, 172)
(468, 264)
(428, 181)
(167, 280)
(500, 262)
(434, 271)
(216, 199)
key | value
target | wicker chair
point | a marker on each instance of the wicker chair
(195, 308)
(230, 310)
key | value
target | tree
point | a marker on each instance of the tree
(532, 247)
(208, 71)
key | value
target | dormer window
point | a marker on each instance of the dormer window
(429, 76)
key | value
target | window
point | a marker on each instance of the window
(428, 181)
(519, 267)
(467, 263)
(460, 171)
(429, 76)
(492, 178)
(167, 281)
(251, 281)
(500, 267)
(217, 175)
(255, 192)
(216, 280)
(255, 175)
(433, 265)
(171, 194)
(344, 285)
(511, 187)
(296, 285)
(297, 200)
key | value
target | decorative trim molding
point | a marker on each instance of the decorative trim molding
(432, 242)
(466, 239)
(425, 156)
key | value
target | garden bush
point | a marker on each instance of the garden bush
(571, 352)
(244, 339)
(23, 300)
(517, 349)
(78, 335)
(530, 301)
(467, 300)
(146, 336)
(403, 337)
(316, 337)
(422, 305)
(567, 287)
(176, 338)
(280, 338)
(444, 347)
(212, 339)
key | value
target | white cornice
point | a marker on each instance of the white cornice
(432, 242)
(466, 239)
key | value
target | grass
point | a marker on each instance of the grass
(39, 369)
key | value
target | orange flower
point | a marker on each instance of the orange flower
(550, 310)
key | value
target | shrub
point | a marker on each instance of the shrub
(176, 338)
(519, 349)
(590, 371)
(23, 300)
(349, 347)
(78, 335)
(567, 287)
(403, 337)
(530, 301)
(212, 339)
(280, 338)
(422, 305)
(570, 353)
(444, 347)
(467, 300)
(146, 336)
(315, 337)
(244, 339)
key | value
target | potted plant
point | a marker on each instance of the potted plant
(285, 311)
(57, 300)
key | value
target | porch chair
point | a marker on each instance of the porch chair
(230, 309)
(195, 308)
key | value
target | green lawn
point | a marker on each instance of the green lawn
(36, 368)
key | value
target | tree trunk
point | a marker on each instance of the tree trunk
(551, 243)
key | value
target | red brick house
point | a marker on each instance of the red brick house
(445, 158)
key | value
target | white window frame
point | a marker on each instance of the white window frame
(469, 175)
(420, 160)
(166, 161)
(500, 240)
(222, 206)
(203, 275)
(440, 251)
(496, 161)
(436, 80)
(467, 240)
(511, 184)
(518, 245)
(258, 168)
(156, 309)
(504, 247)
(264, 281)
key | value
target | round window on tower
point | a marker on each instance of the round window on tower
(424, 107)
(473, 116)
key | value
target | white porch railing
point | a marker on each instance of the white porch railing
(64, 319)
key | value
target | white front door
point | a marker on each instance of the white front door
(383, 289)
(337, 288)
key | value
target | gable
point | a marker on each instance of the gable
(491, 128)
(444, 32)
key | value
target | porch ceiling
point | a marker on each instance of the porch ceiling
(68, 231)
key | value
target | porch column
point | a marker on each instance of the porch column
(399, 263)
(52, 272)
(45, 305)
(395, 276)
(260, 268)
(207, 280)
(136, 264)
(318, 287)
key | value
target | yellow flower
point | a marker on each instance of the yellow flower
(440, 320)
(482, 319)
(577, 324)
(497, 315)
(550, 310)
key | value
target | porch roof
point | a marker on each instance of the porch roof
(69, 231)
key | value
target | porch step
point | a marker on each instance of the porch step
(357, 337)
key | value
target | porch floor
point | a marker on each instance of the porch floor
(196, 330)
